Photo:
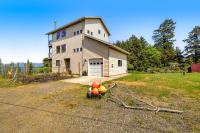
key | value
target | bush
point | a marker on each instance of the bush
(130, 67)
(41, 70)
(26, 79)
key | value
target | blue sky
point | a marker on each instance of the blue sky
(23, 23)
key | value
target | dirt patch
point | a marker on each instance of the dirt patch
(133, 83)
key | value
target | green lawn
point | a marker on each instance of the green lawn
(165, 84)
(7, 83)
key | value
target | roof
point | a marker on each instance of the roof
(108, 44)
(78, 21)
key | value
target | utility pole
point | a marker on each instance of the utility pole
(55, 24)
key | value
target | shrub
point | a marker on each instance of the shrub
(26, 79)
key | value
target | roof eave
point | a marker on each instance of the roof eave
(108, 44)
(77, 21)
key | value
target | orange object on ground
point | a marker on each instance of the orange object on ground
(102, 89)
(95, 91)
(95, 84)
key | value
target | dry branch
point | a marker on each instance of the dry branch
(154, 108)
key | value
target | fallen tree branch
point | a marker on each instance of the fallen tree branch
(122, 103)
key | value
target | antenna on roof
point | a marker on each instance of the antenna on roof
(55, 24)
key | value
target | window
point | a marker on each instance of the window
(74, 50)
(91, 33)
(112, 66)
(81, 31)
(57, 35)
(77, 49)
(63, 48)
(81, 49)
(57, 62)
(58, 49)
(104, 35)
(63, 34)
(74, 33)
(77, 32)
(99, 31)
(119, 63)
(88, 31)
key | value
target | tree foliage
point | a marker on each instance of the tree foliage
(142, 55)
(164, 40)
(192, 49)
(46, 62)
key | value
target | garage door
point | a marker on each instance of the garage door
(95, 67)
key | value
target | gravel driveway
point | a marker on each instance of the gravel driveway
(62, 107)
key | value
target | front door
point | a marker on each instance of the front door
(67, 65)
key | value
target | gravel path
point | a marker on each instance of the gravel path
(62, 107)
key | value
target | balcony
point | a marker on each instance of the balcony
(50, 43)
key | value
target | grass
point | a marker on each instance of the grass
(172, 90)
(164, 85)
(7, 83)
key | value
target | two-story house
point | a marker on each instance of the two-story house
(82, 47)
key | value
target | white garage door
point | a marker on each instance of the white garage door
(95, 67)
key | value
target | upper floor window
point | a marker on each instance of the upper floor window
(63, 48)
(81, 31)
(77, 49)
(74, 33)
(88, 31)
(91, 33)
(77, 32)
(57, 49)
(57, 35)
(119, 63)
(99, 32)
(57, 62)
(63, 34)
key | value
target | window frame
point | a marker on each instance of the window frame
(63, 33)
(81, 31)
(64, 48)
(119, 62)
(77, 50)
(58, 63)
(57, 52)
(57, 35)
(99, 31)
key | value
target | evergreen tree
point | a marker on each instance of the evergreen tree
(179, 55)
(164, 40)
(142, 55)
(192, 49)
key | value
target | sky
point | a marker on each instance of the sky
(23, 23)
